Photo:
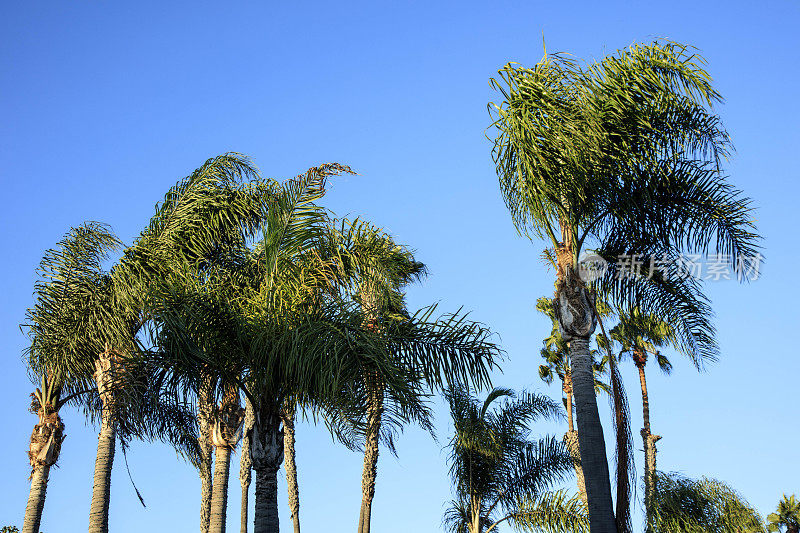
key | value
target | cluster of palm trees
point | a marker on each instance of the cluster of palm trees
(244, 305)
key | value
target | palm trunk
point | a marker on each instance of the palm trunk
(571, 441)
(219, 499)
(374, 418)
(101, 491)
(204, 410)
(591, 441)
(267, 453)
(43, 452)
(33, 511)
(288, 416)
(246, 464)
(105, 371)
(574, 307)
(649, 440)
(266, 501)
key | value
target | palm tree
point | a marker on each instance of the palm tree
(213, 210)
(555, 352)
(640, 336)
(787, 515)
(700, 506)
(45, 447)
(500, 474)
(623, 154)
(77, 316)
(276, 347)
(431, 352)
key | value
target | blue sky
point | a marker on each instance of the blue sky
(106, 104)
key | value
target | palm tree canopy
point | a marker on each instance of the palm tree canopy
(498, 471)
(625, 154)
(787, 515)
(701, 506)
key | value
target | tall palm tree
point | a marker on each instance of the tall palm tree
(500, 474)
(76, 317)
(555, 352)
(432, 352)
(273, 353)
(623, 155)
(213, 210)
(700, 506)
(787, 515)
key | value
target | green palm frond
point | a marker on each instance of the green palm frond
(701, 506)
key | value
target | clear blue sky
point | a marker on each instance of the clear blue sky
(106, 104)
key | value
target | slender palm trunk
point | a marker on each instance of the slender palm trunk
(591, 441)
(374, 418)
(267, 453)
(101, 491)
(105, 370)
(571, 441)
(574, 307)
(246, 464)
(648, 438)
(204, 421)
(33, 511)
(219, 498)
(288, 416)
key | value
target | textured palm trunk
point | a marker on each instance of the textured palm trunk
(648, 438)
(574, 308)
(33, 511)
(43, 452)
(219, 498)
(267, 454)
(571, 441)
(245, 463)
(288, 417)
(371, 448)
(225, 435)
(106, 444)
(204, 420)
(266, 520)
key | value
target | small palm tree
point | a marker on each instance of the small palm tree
(624, 156)
(500, 474)
(700, 506)
(640, 336)
(787, 516)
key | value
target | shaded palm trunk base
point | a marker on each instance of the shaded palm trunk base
(374, 418)
(267, 454)
(219, 498)
(266, 519)
(572, 442)
(288, 417)
(101, 491)
(33, 511)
